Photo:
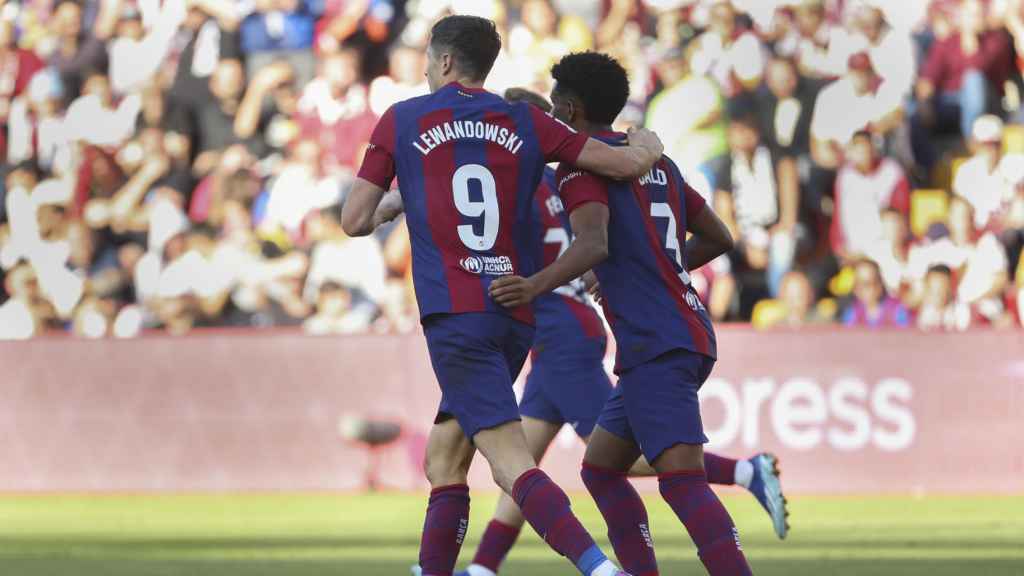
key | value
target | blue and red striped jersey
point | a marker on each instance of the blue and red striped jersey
(564, 316)
(468, 164)
(647, 295)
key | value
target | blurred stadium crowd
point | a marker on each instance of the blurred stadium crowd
(180, 164)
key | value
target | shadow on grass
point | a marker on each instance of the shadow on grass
(816, 567)
(11, 545)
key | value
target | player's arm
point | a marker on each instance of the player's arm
(622, 162)
(390, 207)
(588, 249)
(358, 214)
(711, 239)
(560, 143)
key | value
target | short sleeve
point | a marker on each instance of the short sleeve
(379, 164)
(577, 187)
(558, 142)
(694, 202)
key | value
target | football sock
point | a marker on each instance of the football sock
(719, 470)
(444, 529)
(707, 521)
(626, 517)
(744, 473)
(546, 507)
(478, 570)
(497, 540)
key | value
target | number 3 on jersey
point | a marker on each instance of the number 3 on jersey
(663, 210)
(487, 207)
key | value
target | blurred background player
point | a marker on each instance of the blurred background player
(440, 146)
(665, 342)
(568, 384)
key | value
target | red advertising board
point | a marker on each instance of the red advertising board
(847, 412)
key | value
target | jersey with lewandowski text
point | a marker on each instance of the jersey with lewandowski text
(647, 296)
(468, 164)
(565, 317)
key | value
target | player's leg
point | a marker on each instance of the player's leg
(503, 530)
(544, 505)
(759, 475)
(611, 451)
(660, 399)
(449, 454)
(476, 358)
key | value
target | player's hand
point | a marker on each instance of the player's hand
(513, 291)
(649, 141)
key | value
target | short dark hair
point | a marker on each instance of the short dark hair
(941, 269)
(474, 42)
(597, 80)
(524, 95)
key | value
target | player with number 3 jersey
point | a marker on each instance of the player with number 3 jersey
(665, 343)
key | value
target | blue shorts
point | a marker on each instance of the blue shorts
(655, 404)
(476, 358)
(568, 388)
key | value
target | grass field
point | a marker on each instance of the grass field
(378, 535)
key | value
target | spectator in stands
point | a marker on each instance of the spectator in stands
(689, 115)
(80, 51)
(36, 128)
(939, 308)
(17, 67)
(269, 108)
(215, 119)
(750, 202)
(868, 186)
(961, 78)
(97, 118)
(797, 296)
(872, 306)
(343, 18)
(786, 106)
(820, 48)
(335, 111)
(208, 35)
(990, 180)
(301, 187)
(891, 51)
(137, 54)
(844, 108)
(25, 313)
(982, 264)
(334, 313)
(281, 30)
(978, 259)
(731, 56)
(406, 79)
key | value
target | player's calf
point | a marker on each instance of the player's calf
(544, 505)
(687, 492)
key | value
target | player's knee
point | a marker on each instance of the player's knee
(680, 457)
(445, 470)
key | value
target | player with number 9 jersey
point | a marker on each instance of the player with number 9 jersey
(468, 164)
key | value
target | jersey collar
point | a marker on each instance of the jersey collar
(459, 86)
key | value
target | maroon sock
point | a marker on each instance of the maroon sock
(546, 507)
(707, 521)
(444, 529)
(626, 516)
(498, 539)
(719, 470)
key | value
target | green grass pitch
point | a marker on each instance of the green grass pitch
(284, 535)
